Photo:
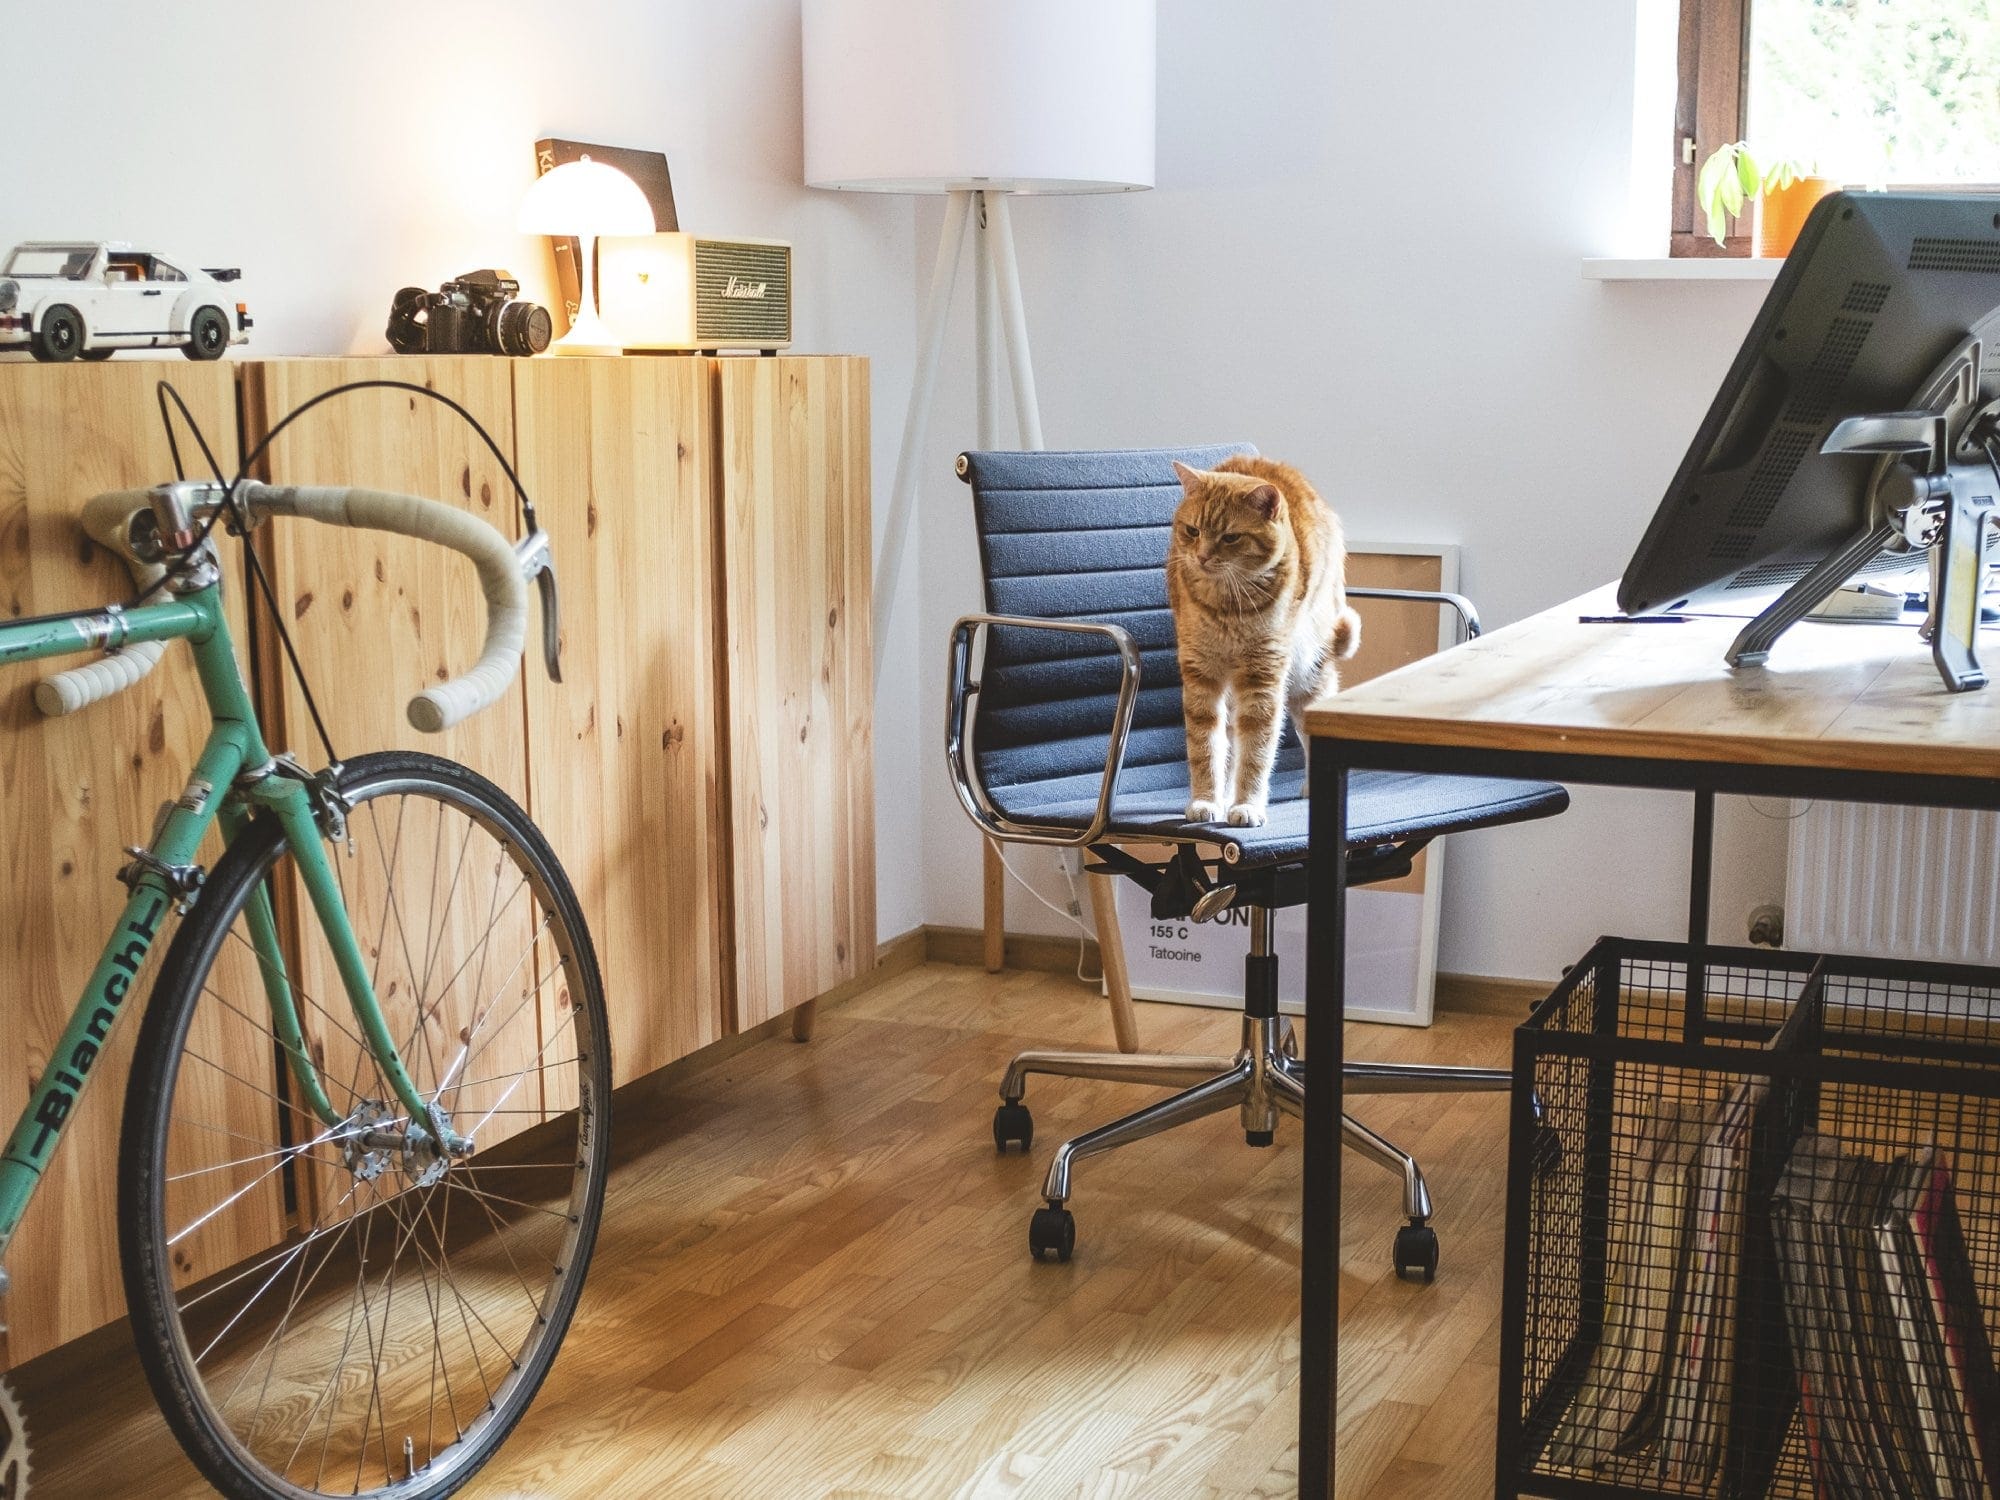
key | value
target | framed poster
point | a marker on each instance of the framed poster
(1392, 927)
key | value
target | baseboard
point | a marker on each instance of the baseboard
(1025, 950)
(1487, 995)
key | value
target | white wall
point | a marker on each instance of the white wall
(337, 152)
(1363, 256)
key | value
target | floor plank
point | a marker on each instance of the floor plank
(813, 1281)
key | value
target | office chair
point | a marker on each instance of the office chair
(1071, 733)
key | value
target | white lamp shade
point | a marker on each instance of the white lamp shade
(926, 96)
(585, 197)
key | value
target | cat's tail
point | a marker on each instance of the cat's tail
(1346, 633)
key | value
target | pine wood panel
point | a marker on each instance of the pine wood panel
(1837, 697)
(812, 1282)
(796, 555)
(378, 617)
(375, 617)
(73, 793)
(624, 755)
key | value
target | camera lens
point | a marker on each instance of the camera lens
(521, 328)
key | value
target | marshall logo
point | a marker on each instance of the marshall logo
(746, 291)
(64, 1080)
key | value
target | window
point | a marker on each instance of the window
(1876, 93)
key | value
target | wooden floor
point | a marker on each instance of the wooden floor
(813, 1281)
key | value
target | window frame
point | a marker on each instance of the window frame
(1711, 99)
(1711, 109)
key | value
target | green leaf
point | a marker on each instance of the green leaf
(1718, 226)
(1730, 190)
(1748, 175)
(1706, 180)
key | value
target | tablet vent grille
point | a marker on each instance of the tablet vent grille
(1828, 371)
(1866, 297)
(1932, 253)
(1782, 456)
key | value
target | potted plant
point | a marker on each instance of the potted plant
(1784, 191)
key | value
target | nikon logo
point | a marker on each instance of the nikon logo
(744, 291)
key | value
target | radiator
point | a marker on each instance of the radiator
(1894, 882)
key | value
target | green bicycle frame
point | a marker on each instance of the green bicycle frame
(218, 789)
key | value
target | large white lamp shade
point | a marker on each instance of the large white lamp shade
(1021, 96)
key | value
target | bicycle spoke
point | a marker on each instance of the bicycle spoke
(396, 1334)
(465, 1050)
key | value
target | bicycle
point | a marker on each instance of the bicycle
(380, 1346)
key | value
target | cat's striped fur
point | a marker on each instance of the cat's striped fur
(1257, 577)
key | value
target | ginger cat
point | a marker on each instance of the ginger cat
(1257, 577)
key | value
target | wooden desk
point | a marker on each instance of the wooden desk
(1844, 712)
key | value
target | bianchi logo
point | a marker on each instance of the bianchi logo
(746, 291)
(13, 1447)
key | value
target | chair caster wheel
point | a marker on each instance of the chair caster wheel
(1417, 1253)
(1545, 1153)
(1012, 1122)
(1052, 1231)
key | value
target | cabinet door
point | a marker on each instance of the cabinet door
(623, 768)
(375, 617)
(73, 792)
(795, 567)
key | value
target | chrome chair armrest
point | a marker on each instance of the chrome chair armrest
(961, 725)
(1468, 617)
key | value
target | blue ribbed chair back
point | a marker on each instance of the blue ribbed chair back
(1080, 536)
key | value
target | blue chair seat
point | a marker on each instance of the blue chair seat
(1383, 807)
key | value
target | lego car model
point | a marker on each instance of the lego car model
(88, 299)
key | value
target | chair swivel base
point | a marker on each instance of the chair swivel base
(1266, 1078)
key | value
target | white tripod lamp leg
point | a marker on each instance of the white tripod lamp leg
(930, 346)
(1014, 317)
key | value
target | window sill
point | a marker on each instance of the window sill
(1682, 268)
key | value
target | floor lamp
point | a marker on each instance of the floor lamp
(979, 101)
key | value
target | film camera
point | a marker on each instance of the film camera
(477, 313)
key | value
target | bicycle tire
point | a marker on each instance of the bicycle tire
(223, 1454)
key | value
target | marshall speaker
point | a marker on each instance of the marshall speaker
(686, 291)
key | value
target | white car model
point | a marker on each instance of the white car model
(85, 300)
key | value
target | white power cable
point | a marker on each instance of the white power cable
(1083, 940)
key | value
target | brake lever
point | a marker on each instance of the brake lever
(538, 562)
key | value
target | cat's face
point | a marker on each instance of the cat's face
(1228, 527)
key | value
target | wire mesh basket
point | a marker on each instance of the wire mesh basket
(1753, 1230)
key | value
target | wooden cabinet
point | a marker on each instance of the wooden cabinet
(73, 793)
(625, 752)
(795, 587)
(703, 771)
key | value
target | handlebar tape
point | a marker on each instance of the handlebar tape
(438, 708)
(108, 521)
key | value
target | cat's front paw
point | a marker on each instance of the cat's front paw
(1203, 811)
(1247, 815)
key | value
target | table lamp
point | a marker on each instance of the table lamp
(585, 198)
(976, 100)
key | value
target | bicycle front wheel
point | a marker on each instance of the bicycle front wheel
(328, 1308)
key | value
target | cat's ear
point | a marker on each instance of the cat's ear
(1263, 500)
(1188, 476)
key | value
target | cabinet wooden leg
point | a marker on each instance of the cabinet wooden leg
(996, 910)
(802, 1021)
(1111, 952)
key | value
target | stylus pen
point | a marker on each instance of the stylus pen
(1633, 619)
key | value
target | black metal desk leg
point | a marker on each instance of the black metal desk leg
(1326, 1005)
(1701, 871)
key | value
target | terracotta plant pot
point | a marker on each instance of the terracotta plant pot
(1781, 214)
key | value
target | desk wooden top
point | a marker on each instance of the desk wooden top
(1832, 697)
